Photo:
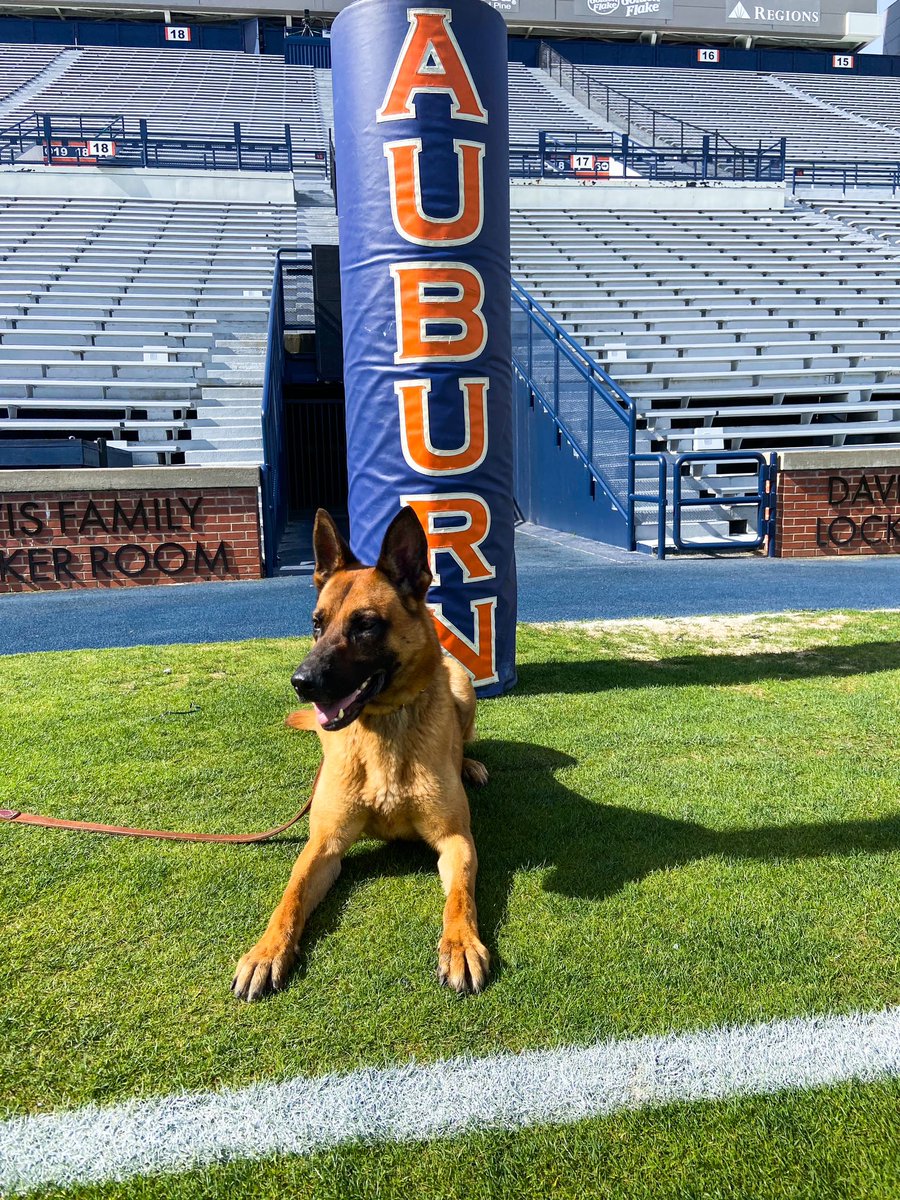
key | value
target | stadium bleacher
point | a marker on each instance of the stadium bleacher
(20, 64)
(729, 330)
(748, 108)
(536, 104)
(871, 98)
(144, 321)
(879, 218)
(198, 93)
(139, 321)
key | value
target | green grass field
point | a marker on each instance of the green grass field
(688, 823)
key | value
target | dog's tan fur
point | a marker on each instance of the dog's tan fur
(396, 772)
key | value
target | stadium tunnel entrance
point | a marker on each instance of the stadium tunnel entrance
(315, 432)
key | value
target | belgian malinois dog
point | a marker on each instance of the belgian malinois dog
(392, 713)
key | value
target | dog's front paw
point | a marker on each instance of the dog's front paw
(262, 970)
(463, 961)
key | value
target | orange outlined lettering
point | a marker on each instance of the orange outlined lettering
(415, 428)
(431, 61)
(462, 539)
(438, 293)
(410, 219)
(478, 656)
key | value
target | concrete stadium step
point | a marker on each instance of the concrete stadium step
(235, 395)
(215, 434)
(222, 457)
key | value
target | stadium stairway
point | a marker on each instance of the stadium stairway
(875, 223)
(731, 331)
(17, 65)
(143, 322)
(750, 107)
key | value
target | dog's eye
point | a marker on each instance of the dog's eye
(363, 627)
(317, 628)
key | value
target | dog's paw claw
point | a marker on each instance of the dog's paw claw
(474, 772)
(463, 963)
(260, 972)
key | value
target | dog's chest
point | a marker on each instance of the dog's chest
(395, 794)
(389, 790)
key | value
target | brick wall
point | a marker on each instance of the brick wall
(838, 511)
(52, 540)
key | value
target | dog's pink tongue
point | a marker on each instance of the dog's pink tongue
(327, 712)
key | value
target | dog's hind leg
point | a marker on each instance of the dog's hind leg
(474, 772)
(301, 718)
(267, 966)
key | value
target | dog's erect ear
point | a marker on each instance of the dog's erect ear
(331, 551)
(404, 555)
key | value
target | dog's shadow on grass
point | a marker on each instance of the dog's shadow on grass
(527, 819)
(572, 677)
(591, 850)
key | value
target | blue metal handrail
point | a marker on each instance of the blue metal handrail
(272, 470)
(639, 118)
(146, 149)
(763, 498)
(553, 158)
(846, 174)
(600, 389)
(661, 500)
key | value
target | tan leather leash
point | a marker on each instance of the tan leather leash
(23, 818)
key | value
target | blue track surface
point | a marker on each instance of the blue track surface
(560, 579)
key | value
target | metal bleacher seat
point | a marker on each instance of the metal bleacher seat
(20, 64)
(873, 98)
(536, 105)
(750, 107)
(188, 93)
(880, 218)
(139, 321)
(730, 330)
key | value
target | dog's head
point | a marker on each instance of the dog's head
(375, 644)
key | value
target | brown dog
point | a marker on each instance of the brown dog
(392, 713)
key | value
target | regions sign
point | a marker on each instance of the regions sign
(630, 10)
(809, 15)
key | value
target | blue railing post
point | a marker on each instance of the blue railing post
(556, 376)
(626, 142)
(290, 148)
(237, 145)
(142, 134)
(773, 504)
(542, 151)
(48, 137)
(704, 174)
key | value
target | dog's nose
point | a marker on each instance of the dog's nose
(303, 682)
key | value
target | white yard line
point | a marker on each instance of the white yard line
(175, 1133)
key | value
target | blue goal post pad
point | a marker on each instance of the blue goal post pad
(421, 125)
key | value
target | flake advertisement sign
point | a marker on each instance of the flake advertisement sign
(630, 10)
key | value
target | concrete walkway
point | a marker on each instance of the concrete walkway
(561, 578)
